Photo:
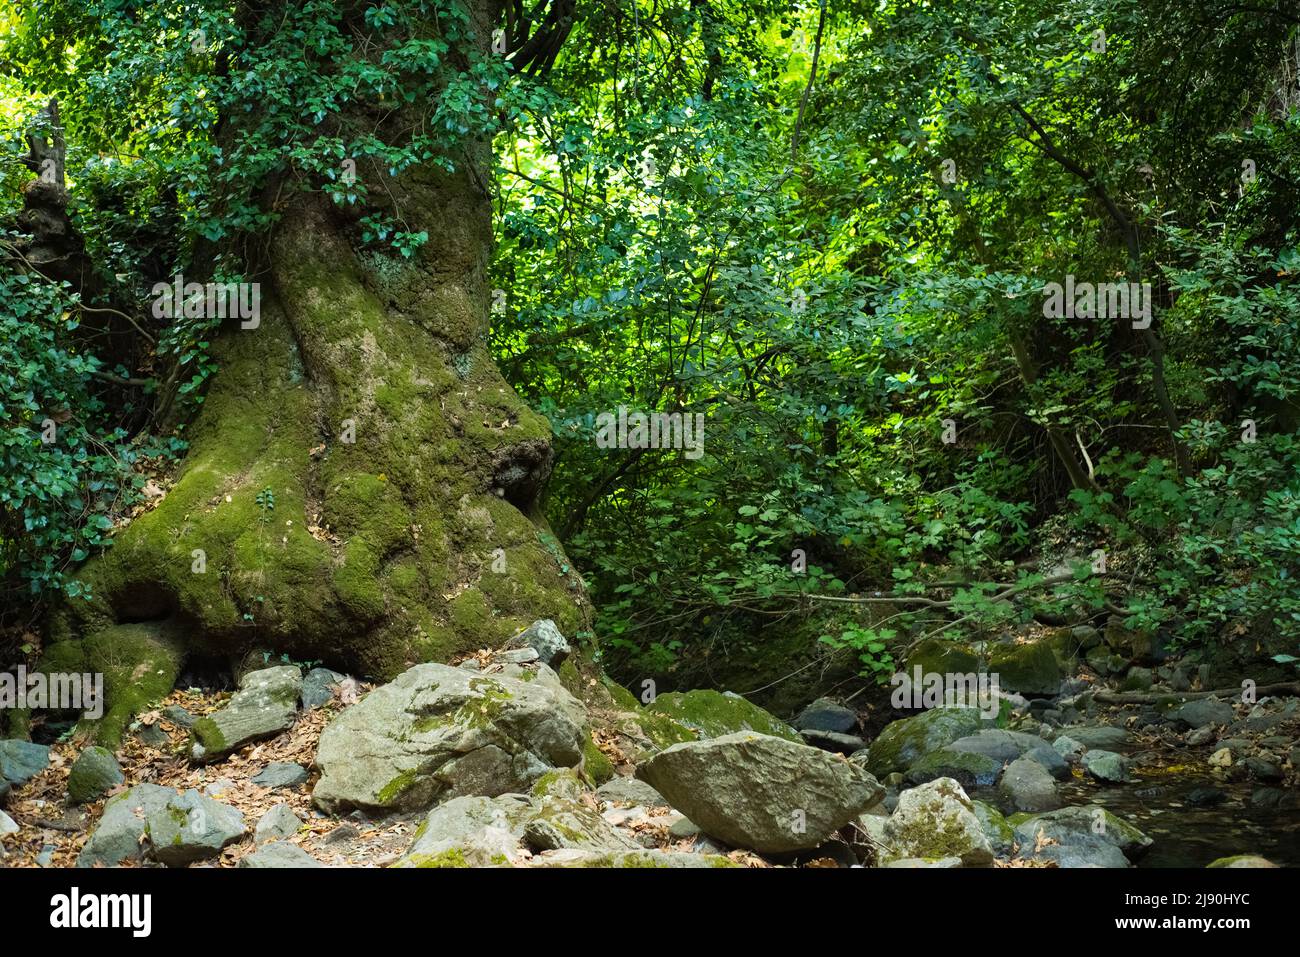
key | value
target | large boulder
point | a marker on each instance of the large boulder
(1027, 786)
(712, 714)
(1097, 736)
(904, 742)
(826, 715)
(118, 836)
(936, 820)
(1080, 827)
(438, 732)
(761, 792)
(469, 831)
(998, 744)
(191, 827)
(264, 706)
(1029, 668)
(969, 769)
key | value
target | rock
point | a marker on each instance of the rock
(152, 736)
(318, 687)
(1053, 763)
(1137, 679)
(281, 774)
(93, 774)
(1264, 769)
(936, 820)
(1107, 766)
(1079, 826)
(761, 792)
(1221, 758)
(926, 862)
(553, 823)
(264, 706)
(1097, 736)
(996, 829)
(519, 656)
(280, 822)
(1266, 797)
(1029, 668)
(178, 716)
(683, 828)
(1027, 786)
(968, 769)
(637, 859)
(343, 834)
(997, 744)
(1086, 850)
(117, 837)
(629, 790)
(1242, 860)
(904, 742)
(1206, 797)
(20, 761)
(279, 854)
(712, 714)
(544, 638)
(1203, 713)
(7, 825)
(438, 732)
(1201, 736)
(219, 788)
(826, 715)
(1067, 747)
(469, 832)
(830, 741)
(191, 827)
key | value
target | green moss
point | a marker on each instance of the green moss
(207, 733)
(396, 787)
(713, 714)
(595, 765)
(452, 857)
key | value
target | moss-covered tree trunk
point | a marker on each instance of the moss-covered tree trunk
(361, 485)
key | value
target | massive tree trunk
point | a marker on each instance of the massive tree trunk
(419, 539)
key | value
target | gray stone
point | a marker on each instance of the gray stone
(281, 774)
(265, 705)
(572, 857)
(554, 822)
(761, 792)
(545, 638)
(318, 687)
(20, 761)
(469, 831)
(1027, 786)
(1200, 736)
(1068, 748)
(996, 829)
(1097, 736)
(1087, 850)
(7, 825)
(280, 822)
(942, 862)
(1054, 764)
(93, 774)
(936, 820)
(969, 769)
(903, 742)
(826, 715)
(1242, 860)
(997, 744)
(1264, 769)
(520, 656)
(178, 716)
(831, 741)
(438, 732)
(1107, 766)
(683, 828)
(1204, 712)
(630, 790)
(1079, 825)
(117, 837)
(191, 827)
(711, 714)
(280, 855)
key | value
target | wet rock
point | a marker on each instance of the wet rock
(1206, 797)
(1026, 786)
(969, 769)
(1053, 763)
(1264, 769)
(1097, 736)
(1107, 766)
(761, 792)
(1079, 826)
(997, 744)
(1068, 748)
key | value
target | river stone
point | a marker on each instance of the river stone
(826, 715)
(1027, 786)
(936, 820)
(761, 792)
(280, 822)
(264, 706)
(1107, 766)
(1242, 860)
(438, 732)
(995, 827)
(93, 774)
(281, 774)
(629, 790)
(997, 744)
(191, 827)
(20, 761)
(545, 638)
(903, 742)
(942, 862)
(1087, 850)
(1097, 736)
(1204, 712)
(318, 687)
(117, 837)
(279, 855)
(1078, 825)
(831, 741)
(712, 714)
(967, 768)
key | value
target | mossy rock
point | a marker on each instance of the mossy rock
(966, 768)
(94, 773)
(1241, 860)
(904, 742)
(1029, 668)
(936, 656)
(712, 714)
(596, 766)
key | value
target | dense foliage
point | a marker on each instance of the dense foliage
(826, 228)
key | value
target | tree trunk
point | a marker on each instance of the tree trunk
(361, 486)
